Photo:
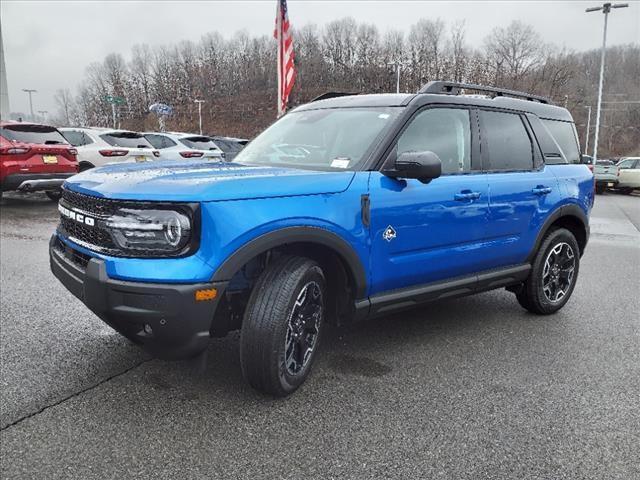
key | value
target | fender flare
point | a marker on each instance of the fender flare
(572, 211)
(287, 235)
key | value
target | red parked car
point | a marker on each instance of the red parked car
(34, 157)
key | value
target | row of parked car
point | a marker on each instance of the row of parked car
(37, 157)
(622, 175)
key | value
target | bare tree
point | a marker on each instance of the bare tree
(64, 103)
(513, 51)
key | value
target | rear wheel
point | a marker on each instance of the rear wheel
(600, 189)
(54, 195)
(553, 275)
(282, 325)
(626, 191)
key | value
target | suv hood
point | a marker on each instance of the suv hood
(197, 181)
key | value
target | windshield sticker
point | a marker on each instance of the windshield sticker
(340, 163)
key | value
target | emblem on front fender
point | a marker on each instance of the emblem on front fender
(389, 233)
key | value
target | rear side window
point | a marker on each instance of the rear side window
(199, 143)
(160, 141)
(564, 133)
(126, 139)
(39, 134)
(443, 131)
(506, 141)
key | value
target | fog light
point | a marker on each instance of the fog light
(147, 329)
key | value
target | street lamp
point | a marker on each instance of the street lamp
(30, 92)
(43, 114)
(586, 137)
(398, 65)
(199, 102)
(606, 8)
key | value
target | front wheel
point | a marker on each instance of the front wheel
(282, 325)
(553, 274)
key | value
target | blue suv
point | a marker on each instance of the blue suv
(347, 208)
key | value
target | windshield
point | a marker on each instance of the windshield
(331, 139)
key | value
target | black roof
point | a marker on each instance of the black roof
(542, 110)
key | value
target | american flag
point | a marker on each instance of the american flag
(286, 66)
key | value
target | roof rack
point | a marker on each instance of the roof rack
(328, 95)
(453, 88)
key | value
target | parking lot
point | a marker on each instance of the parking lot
(469, 388)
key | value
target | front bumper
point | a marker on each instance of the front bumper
(34, 182)
(165, 319)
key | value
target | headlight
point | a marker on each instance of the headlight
(150, 230)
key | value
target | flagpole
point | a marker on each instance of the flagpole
(279, 35)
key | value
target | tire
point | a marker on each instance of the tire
(600, 189)
(626, 191)
(268, 349)
(54, 195)
(550, 286)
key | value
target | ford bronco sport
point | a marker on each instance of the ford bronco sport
(347, 207)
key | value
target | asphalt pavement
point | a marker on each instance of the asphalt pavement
(471, 388)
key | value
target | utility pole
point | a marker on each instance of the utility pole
(606, 9)
(30, 92)
(199, 102)
(586, 137)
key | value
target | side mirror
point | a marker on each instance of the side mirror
(424, 166)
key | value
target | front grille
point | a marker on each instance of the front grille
(92, 205)
(77, 257)
(93, 237)
(88, 235)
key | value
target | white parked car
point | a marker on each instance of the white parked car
(180, 146)
(628, 174)
(100, 146)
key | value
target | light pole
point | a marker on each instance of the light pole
(43, 114)
(606, 8)
(199, 102)
(398, 65)
(586, 137)
(30, 92)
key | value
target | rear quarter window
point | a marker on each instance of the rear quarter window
(564, 133)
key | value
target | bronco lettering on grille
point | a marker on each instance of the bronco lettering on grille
(78, 217)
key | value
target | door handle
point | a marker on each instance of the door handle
(466, 195)
(541, 190)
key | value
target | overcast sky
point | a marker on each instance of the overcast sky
(48, 44)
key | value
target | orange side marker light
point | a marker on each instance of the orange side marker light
(205, 295)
